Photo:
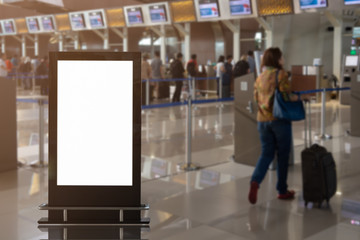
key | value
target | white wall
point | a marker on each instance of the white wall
(303, 37)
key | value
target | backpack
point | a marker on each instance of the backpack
(191, 69)
(241, 68)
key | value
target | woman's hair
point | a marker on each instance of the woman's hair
(221, 59)
(271, 58)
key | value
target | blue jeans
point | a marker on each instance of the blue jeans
(275, 136)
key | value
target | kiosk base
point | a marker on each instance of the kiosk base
(94, 232)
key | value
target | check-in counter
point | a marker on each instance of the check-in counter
(305, 78)
(8, 139)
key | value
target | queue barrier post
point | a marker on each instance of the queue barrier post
(323, 135)
(188, 165)
(41, 162)
(147, 83)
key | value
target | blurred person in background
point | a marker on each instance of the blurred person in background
(251, 61)
(9, 66)
(177, 72)
(25, 72)
(42, 73)
(157, 72)
(227, 77)
(220, 69)
(241, 67)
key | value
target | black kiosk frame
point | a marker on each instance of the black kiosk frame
(95, 205)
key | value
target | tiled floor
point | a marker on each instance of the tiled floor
(210, 203)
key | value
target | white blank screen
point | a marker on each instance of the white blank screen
(351, 61)
(94, 123)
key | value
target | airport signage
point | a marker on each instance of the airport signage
(88, 20)
(147, 14)
(7, 27)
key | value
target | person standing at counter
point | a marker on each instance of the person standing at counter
(177, 72)
(251, 61)
(227, 77)
(220, 69)
(275, 134)
(157, 72)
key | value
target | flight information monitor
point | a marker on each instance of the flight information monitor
(33, 24)
(1, 31)
(135, 16)
(48, 23)
(9, 27)
(240, 7)
(77, 21)
(351, 61)
(305, 4)
(351, 2)
(158, 13)
(96, 19)
(209, 8)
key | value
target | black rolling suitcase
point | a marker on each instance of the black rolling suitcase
(318, 171)
(164, 90)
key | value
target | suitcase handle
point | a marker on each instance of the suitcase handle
(307, 118)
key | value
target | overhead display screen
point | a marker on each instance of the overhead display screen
(77, 21)
(94, 135)
(96, 19)
(305, 4)
(135, 15)
(351, 61)
(9, 27)
(33, 24)
(240, 7)
(1, 31)
(209, 8)
(48, 23)
(158, 13)
(351, 2)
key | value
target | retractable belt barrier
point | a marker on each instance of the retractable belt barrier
(189, 102)
(323, 91)
(180, 79)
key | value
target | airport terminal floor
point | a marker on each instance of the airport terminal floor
(210, 203)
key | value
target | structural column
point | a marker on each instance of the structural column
(234, 27)
(125, 40)
(106, 39)
(23, 45)
(185, 32)
(61, 42)
(76, 42)
(163, 44)
(268, 31)
(187, 38)
(162, 34)
(124, 35)
(36, 45)
(337, 48)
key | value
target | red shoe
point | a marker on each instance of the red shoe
(288, 195)
(253, 192)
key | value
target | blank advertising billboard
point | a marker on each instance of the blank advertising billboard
(94, 123)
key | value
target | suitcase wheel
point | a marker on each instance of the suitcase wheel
(306, 203)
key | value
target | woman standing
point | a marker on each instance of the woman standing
(275, 134)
